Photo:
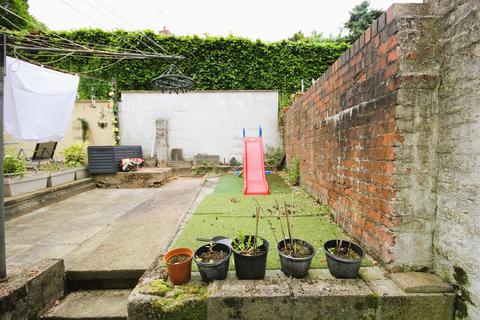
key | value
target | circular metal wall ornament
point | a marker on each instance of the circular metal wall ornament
(173, 81)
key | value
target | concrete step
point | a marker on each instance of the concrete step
(102, 279)
(319, 296)
(120, 253)
(91, 305)
(25, 203)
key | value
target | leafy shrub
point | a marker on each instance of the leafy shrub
(294, 172)
(274, 156)
(75, 155)
(51, 166)
(216, 63)
(13, 165)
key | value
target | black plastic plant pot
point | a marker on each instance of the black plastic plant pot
(250, 267)
(339, 267)
(217, 270)
(295, 267)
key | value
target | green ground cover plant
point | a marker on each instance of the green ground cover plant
(13, 165)
(75, 155)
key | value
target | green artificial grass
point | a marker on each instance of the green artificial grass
(227, 211)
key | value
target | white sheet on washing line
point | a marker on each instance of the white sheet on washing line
(38, 101)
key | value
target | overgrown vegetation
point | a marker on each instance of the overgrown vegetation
(294, 172)
(26, 21)
(216, 63)
(85, 127)
(274, 157)
(13, 165)
(75, 155)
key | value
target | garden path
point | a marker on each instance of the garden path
(103, 229)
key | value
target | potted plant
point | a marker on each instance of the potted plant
(213, 260)
(57, 175)
(17, 182)
(179, 265)
(250, 254)
(295, 254)
(343, 258)
(75, 157)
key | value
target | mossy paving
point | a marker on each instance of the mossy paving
(177, 302)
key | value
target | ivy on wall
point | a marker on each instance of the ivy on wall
(216, 63)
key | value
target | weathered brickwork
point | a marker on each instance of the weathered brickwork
(363, 142)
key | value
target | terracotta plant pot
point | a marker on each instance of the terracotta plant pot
(179, 273)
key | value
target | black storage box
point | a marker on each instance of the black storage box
(106, 159)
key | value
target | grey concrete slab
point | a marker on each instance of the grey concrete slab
(110, 227)
(71, 234)
(29, 290)
(38, 252)
(94, 304)
(420, 282)
(134, 240)
(368, 274)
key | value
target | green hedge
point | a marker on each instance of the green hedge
(214, 62)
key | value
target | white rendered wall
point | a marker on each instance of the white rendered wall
(208, 122)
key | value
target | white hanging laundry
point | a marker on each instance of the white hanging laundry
(38, 102)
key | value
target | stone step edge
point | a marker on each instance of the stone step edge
(221, 299)
(101, 279)
(22, 204)
(60, 311)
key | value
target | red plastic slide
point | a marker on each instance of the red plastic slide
(254, 179)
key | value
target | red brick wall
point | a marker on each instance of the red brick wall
(343, 129)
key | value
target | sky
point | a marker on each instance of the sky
(269, 20)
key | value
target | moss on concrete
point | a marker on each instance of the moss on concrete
(373, 300)
(173, 302)
(156, 287)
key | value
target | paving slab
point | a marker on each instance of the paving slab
(91, 304)
(368, 274)
(420, 282)
(55, 230)
(103, 229)
(127, 247)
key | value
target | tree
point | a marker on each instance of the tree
(315, 37)
(297, 36)
(25, 22)
(361, 17)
